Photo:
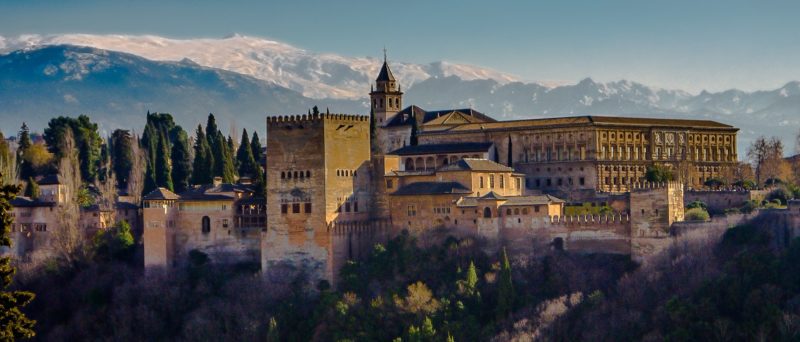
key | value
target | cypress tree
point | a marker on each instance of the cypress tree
(414, 140)
(32, 190)
(255, 146)
(213, 142)
(505, 289)
(162, 169)
(181, 160)
(510, 153)
(223, 161)
(122, 156)
(203, 160)
(471, 280)
(23, 143)
(272, 333)
(13, 322)
(373, 144)
(245, 158)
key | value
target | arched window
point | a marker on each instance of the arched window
(308, 174)
(283, 175)
(429, 163)
(295, 174)
(487, 212)
(206, 222)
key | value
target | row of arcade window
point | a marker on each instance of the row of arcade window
(295, 174)
(296, 208)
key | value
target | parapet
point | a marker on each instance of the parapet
(358, 227)
(590, 219)
(301, 118)
(645, 186)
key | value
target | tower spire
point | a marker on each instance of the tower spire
(384, 53)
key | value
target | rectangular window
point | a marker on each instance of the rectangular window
(224, 207)
(347, 207)
(480, 182)
(225, 223)
(549, 182)
(502, 181)
(491, 181)
(538, 183)
(308, 208)
(295, 208)
(412, 210)
(519, 183)
(355, 206)
(536, 208)
(284, 208)
(581, 181)
(389, 184)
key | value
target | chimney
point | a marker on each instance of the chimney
(217, 181)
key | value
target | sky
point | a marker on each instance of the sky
(689, 45)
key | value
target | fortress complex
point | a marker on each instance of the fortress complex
(337, 184)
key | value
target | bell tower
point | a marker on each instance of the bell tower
(386, 97)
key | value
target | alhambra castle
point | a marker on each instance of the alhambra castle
(336, 184)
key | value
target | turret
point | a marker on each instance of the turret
(386, 97)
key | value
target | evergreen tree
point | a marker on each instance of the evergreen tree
(26, 170)
(122, 156)
(212, 132)
(510, 153)
(223, 161)
(373, 143)
(255, 146)
(505, 289)
(315, 110)
(471, 280)
(427, 331)
(244, 156)
(203, 160)
(181, 160)
(87, 140)
(414, 140)
(13, 322)
(162, 169)
(272, 332)
(32, 190)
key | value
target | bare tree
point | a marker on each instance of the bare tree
(107, 187)
(67, 239)
(136, 177)
(767, 158)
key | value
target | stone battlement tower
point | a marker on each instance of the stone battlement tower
(317, 174)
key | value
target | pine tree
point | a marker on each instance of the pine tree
(315, 110)
(13, 322)
(181, 160)
(203, 160)
(505, 289)
(162, 167)
(244, 156)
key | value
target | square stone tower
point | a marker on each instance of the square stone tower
(317, 176)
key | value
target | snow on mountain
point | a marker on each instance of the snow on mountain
(316, 75)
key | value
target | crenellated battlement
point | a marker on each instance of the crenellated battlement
(301, 118)
(358, 227)
(645, 186)
(590, 219)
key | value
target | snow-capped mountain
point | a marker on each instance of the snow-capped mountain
(116, 89)
(190, 78)
(315, 75)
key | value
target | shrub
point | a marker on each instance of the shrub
(696, 214)
(749, 206)
(697, 204)
(781, 195)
